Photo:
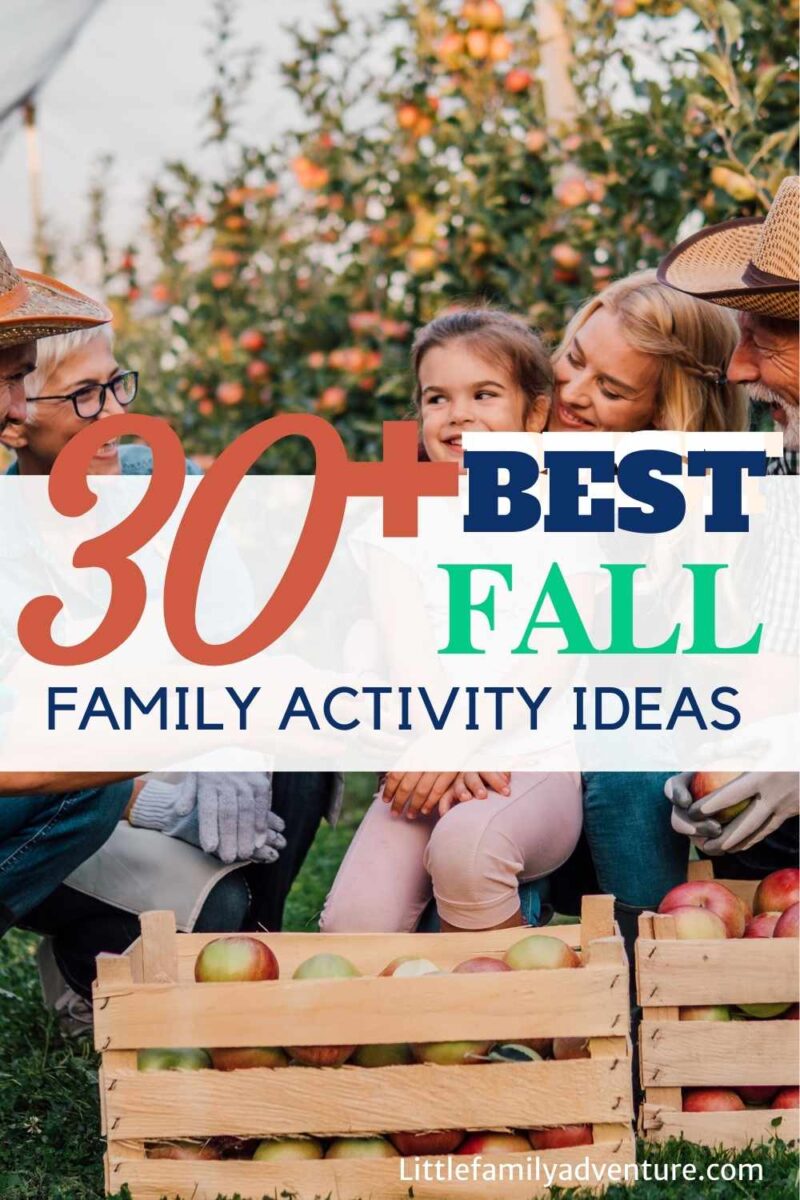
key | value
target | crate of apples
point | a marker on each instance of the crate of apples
(717, 978)
(321, 1063)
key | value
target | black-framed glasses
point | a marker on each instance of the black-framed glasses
(89, 401)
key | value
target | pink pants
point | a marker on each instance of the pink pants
(472, 860)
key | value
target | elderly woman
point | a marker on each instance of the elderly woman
(234, 842)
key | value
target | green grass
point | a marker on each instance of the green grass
(50, 1145)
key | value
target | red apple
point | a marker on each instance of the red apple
(539, 952)
(398, 1055)
(565, 1048)
(410, 967)
(494, 1145)
(705, 1012)
(232, 959)
(367, 1147)
(561, 1136)
(778, 891)
(711, 1100)
(448, 1054)
(703, 783)
(443, 1141)
(761, 926)
(697, 923)
(246, 1058)
(788, 924)
(183, 1151)
(173, 1060)
(251, 339)
(755, 1094)
(788, 1097)
(711, 895)
(793, 1013)
(288, 1150)
(323, 966)
(474, 966)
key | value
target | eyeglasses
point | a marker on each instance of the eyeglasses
(89, 401)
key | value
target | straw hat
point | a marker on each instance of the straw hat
(35, 306)
(752, 264)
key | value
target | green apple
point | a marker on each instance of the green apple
(173, 1060)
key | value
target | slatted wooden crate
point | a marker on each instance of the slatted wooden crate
(675, 1054)
(148, 998)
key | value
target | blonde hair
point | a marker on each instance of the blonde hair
(693, 342)
(51, 353)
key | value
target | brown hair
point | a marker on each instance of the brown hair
(493, 334)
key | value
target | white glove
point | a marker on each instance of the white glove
(774, 798)
(234, 814)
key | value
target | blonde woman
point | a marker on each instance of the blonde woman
(643, 356)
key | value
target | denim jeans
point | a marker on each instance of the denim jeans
(44, 838)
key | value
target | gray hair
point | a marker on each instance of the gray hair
(52, 351)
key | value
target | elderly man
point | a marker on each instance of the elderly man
(753, 265)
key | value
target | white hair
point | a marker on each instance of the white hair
(51, 353)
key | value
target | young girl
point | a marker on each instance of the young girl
(467, 839)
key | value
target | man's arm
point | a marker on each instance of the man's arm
(42, 783)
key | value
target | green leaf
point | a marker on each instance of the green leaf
(721, 72)
(731, 21)
(767, 81)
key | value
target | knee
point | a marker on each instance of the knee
(345, 912)
(467, 852)
(227, 906)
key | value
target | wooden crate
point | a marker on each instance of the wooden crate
(148, 998)
(675, 1054)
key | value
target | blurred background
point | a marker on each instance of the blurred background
(273, 197)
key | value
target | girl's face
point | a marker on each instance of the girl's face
(602, 383)
(460, 392)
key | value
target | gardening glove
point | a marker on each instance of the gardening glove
(775, 798)
(227, 815)
(676, 789)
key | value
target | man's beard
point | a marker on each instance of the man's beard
(791, 430)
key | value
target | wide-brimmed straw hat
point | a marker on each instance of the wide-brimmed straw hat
(34, 306)
(751, 264)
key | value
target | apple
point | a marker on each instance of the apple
(494, 1145)
(711, 1100)
(288, 1150)
(703, 783)
(705, 1012)
(697, 923)
(244, 1058)
(448, 1054)
(778, 891)
(398, 1055)
(183, 1151)
(764, 1012)
(443, 1141)
(173, 1060)
(514, 1052)
(538, 952)
(252, 340)
(561, 1136)
(324, 966)
(755, 1094)
(518, 80)
(565, 1048)
(482, 962)
(761, 926)
(788, 923)
(409, 967)
(793, 1014)
(366, 1147)
(711, 895)
(232, 959)
(788, 1097)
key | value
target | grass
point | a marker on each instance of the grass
(51, 1149)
